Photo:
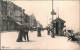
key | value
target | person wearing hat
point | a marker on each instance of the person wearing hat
(23, 32)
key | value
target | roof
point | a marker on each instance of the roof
(59, 20)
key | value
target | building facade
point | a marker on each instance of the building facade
(4, 15)
(0, 16)
(27, 19)
(58, 25)
(10, 16)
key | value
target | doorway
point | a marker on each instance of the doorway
(57, 31)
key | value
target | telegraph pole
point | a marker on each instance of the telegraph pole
(52, 13)
(79, 19)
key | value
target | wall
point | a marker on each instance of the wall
(0, 18)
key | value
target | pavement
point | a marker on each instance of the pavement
(8, 41)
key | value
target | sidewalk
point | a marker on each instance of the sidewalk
(8, 40)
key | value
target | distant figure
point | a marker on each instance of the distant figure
(52, 35)
(25, 33)
(48, 29)
(66, 33)
(39, 32)
(20, 29)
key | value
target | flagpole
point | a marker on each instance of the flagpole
(79, 20)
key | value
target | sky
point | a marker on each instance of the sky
(67, 10)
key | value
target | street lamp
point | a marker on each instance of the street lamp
(52, 13)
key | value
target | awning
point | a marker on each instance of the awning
(18, 23)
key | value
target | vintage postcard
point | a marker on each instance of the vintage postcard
(40, 24)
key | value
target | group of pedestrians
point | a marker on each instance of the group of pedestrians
(50, 30)
(23, 33)
(24, 30)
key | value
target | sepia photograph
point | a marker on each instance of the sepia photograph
(40, 24)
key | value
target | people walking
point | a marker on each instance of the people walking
(20, 29)
(48, 30)
(39, 32)
(25, 34)
(52, 35)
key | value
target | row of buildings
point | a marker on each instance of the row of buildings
(11, 16)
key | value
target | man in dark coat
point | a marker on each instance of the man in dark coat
(52, 35)
(25, 34)
(39, 31)
(20, 29)
(48, 29)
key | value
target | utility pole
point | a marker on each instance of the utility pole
(52, 13)
(79, 20)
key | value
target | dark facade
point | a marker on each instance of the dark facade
(4, 15)
(27, 19)
(0, 16)
(11, 14)
(58, 25)
(7, 22)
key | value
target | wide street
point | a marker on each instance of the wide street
(8, 41)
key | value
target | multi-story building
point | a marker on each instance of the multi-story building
(16, 14)
(7, 13)
(11, 15)
(27, 19)
(4, 15)
(0, 16)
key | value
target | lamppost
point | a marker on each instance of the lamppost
(52, 13)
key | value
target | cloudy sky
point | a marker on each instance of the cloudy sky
(68, 11)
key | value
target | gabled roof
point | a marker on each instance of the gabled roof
(59, 20)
